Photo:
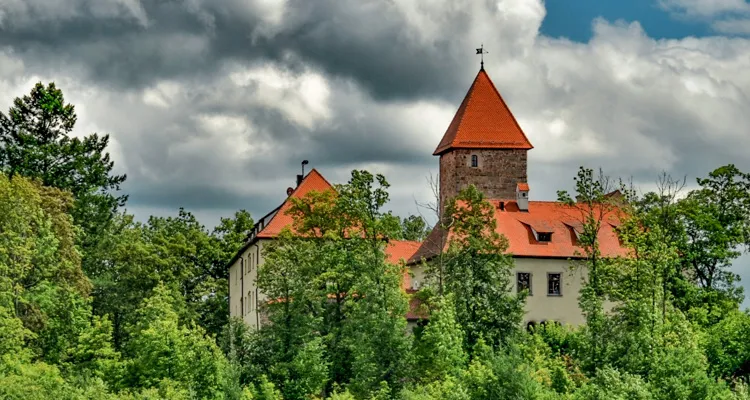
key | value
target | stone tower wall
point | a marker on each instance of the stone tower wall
(497, 175)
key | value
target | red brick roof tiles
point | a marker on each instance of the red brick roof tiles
(559, 219)
(314, 181)
(524, 187)
(483, 121)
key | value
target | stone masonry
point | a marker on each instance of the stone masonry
(497, 175)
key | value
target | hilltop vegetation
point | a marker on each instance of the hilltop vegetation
(94, 305)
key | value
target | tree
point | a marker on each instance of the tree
(414, 228)
(177, 251)
(477, 271)
(439, 348)
(41, 279)
(594, 203)
(162, 350)
(329, 276)
(36, 141)
(716, 220)
(709, 227)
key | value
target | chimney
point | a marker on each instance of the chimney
(501, 205)
(300, 177)
(522, 196)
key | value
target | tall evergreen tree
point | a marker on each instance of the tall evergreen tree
(36, 141)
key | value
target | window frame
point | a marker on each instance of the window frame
(474, 161)
(547, 235)
(559, 288)
(531, 286)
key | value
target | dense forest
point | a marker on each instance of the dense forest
(96, 305)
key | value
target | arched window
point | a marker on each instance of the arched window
(474, 161)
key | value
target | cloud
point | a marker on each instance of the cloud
(212, 105)
(705, 9)
(727, 17)
(732, 26)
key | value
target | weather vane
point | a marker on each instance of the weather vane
(482, 51)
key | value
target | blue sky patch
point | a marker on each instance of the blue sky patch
(573, 19)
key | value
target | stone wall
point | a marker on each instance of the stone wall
(497, 175)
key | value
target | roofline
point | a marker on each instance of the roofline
(450, 148)
(438, 151)
(251, 240)
(426, 259)
(508, 108)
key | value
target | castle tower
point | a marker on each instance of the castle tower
(483, 146)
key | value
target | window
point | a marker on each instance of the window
(474, 161)
(545, 236)
(523, 282)
(553, 284)
(249, 302)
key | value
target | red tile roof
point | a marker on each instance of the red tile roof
(559, 219)
(401, 251)
(523, 187)
(398, 250)
(483, 121)
(314, 181)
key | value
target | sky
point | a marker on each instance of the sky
(211, 105)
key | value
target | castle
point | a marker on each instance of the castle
(484, 146)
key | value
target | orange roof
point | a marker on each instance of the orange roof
(314, 181)
(483, 121)
(543, 216)
(524, 187)
(398, 250)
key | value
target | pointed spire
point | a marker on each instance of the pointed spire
(483, 121)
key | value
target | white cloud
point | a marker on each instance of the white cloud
(732, 26)
(303, 98)
(634, 105)
(705, 8)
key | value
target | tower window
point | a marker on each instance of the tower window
(474, 161)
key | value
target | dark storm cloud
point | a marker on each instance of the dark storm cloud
(369, 42)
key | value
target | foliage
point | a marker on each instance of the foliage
(154, 324)
(477, 271)
(331, 279)
(160, 349)
(414, 227)
(36, 141)
(176, 251)
(439, 349)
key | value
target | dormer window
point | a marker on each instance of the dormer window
(544, 236)
(474, 161)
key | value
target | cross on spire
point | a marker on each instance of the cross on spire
(482, 51)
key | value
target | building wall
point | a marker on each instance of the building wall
(543, 307)
(497, 174)
(244, 296)
(539, 305)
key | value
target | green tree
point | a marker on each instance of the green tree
(36, 141)
(439, 348)
(414, 228)
(716, 220)
(477, 271)
(41, 279)
(594, 203)
(331, 277)
(162, 350)
(177, 251)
